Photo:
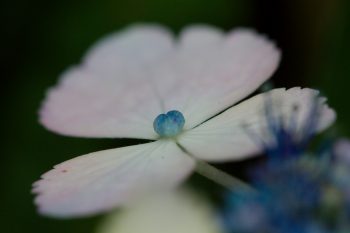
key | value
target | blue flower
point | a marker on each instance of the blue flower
(287, 139)
(298, 191)
(299, 196)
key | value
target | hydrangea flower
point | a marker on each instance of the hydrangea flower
(305, 195)
(341, 151)
(142, 83)
(297, 190)
(166, 212)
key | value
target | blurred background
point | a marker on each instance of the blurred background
(42, 38)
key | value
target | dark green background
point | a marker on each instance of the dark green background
(41, 38)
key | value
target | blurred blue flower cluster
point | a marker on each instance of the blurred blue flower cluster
(297, 190)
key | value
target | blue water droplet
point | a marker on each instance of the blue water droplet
(169, 124)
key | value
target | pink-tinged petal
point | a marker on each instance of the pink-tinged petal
(211, 71)
(200, 36)
(110, 94)
(131, 49)
(129, 78)
(228, 136)
(103, 180)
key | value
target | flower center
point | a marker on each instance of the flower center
(169, 124)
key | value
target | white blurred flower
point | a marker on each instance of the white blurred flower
(128, 85)
(170, 212)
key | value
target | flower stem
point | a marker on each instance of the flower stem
(221, 177)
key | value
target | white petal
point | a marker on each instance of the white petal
(99, 181)
(133, 47)
(171, 212)
(110, 94)
(129, 78)
(200, 36)
(211, 71)
(225, 137)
